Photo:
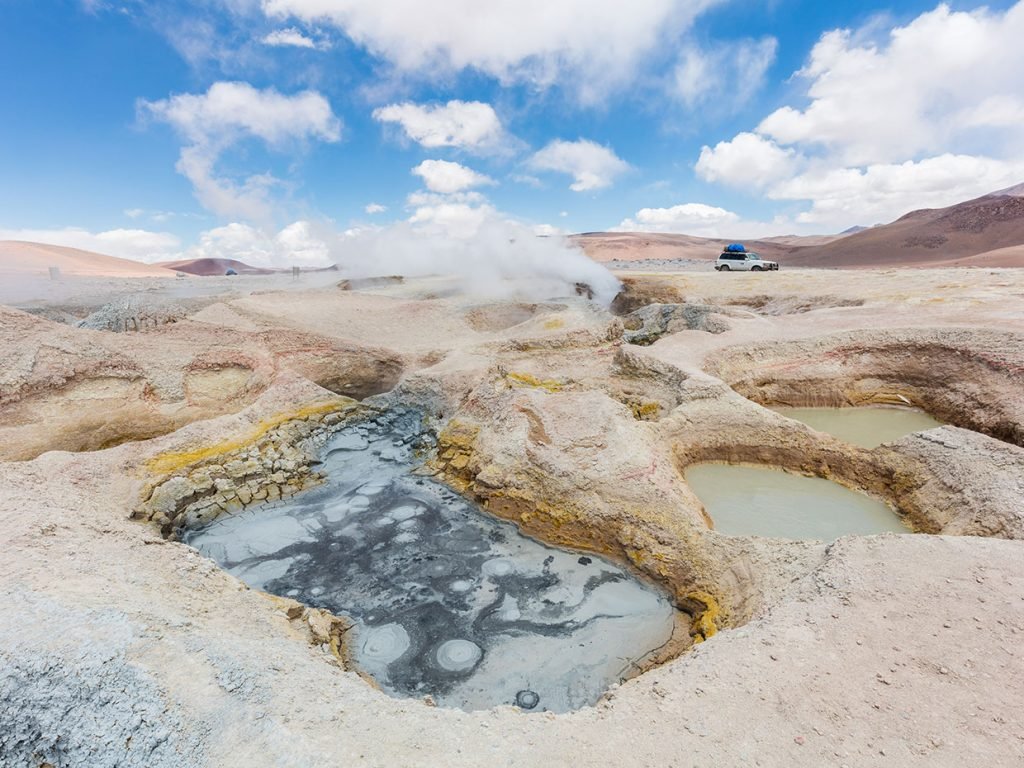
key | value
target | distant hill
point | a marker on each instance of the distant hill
(985, 231)
(211, 267)
(19, 257)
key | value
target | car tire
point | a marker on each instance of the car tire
(755, 269)
(724, 268)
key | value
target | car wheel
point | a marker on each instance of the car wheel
(724, 268)
(755, 269)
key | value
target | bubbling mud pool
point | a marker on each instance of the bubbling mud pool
(446, 600)
(760, 501)
(866, 426)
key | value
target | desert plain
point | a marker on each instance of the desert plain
(120, 645)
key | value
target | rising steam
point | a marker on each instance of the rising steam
(502, 260)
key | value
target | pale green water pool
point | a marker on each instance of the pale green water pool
(866, 426)
(760, 501)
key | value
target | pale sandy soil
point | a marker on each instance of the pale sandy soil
(119, 647)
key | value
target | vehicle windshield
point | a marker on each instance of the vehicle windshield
(753, 256)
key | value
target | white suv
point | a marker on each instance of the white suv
(744, 261)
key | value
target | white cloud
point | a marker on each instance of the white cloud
(452, 219)
(547, 230)
(468, 125)
(230, 110)
(702, 220)
(300, 245)
(292, 37)
(922, 115)
(375, 208)
(447, 177)
(596, 44)
(913, 93)
(234, 241)
(591, 165)
(688, 218)
(723, 77)
(227, 113)
(158, 216)
(249, 199)
(746, 160)
(137, 244)
(880, 193)
(295, 245)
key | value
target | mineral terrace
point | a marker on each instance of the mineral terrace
(121, 645)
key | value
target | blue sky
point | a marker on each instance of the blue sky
(151, 129)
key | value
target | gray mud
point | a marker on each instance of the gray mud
(447, 601)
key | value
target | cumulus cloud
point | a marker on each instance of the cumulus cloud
(137, 244)
(468, 125)
(300, 245)
(882, 192)
(547, 230)
(449, 218)
(596, 44)
(295, 245)
(294, 38)
(917, 91)
(700, 220)
(591, 165)
(923, 115)
(447, 177)
(375, 208)
(227, 113)
(746, 160)
(723, 77)
(688, 218)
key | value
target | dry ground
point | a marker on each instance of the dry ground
(120, 647)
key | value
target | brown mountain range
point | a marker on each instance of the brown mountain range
(986, 232)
